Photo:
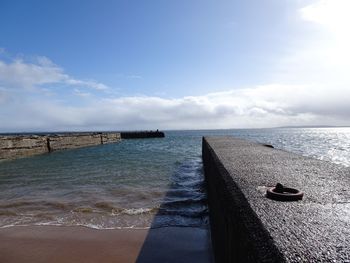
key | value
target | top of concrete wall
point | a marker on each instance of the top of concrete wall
(316, 229)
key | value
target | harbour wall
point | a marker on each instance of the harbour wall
(16, 146)
(246, 226)
(12, 147)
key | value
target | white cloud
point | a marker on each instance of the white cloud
(333, 14)
(262, 106)
(331, 49)
(3, 95)
(21, 74)
(87, 83)
(321, 55)
(80, 93)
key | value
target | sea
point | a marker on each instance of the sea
(138, 183)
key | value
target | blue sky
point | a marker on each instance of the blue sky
(94, 65)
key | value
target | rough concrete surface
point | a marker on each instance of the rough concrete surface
(61, 142)
(248, 227)
(16, 146)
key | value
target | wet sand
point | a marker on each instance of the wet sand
(80, 244)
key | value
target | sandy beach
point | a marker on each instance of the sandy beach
(36, 244)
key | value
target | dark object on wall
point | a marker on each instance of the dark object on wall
(282, 193)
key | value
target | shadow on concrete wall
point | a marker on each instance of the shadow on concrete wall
(180, 230)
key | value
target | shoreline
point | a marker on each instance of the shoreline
(82, 244)
(107, 229)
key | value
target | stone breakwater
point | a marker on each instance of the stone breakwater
(16, 146)
(12, 147)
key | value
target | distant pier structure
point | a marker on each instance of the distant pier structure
(142, 134)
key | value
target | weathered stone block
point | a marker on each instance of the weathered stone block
(12, 147)
(110, 137)
(71, 141)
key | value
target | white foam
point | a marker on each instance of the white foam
(137, 211)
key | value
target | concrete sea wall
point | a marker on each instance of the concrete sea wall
(246, 226)
(16, 146)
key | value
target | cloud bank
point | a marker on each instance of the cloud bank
(262, 106)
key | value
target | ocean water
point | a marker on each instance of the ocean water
(137, 183)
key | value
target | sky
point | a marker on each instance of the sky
(184, 64)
